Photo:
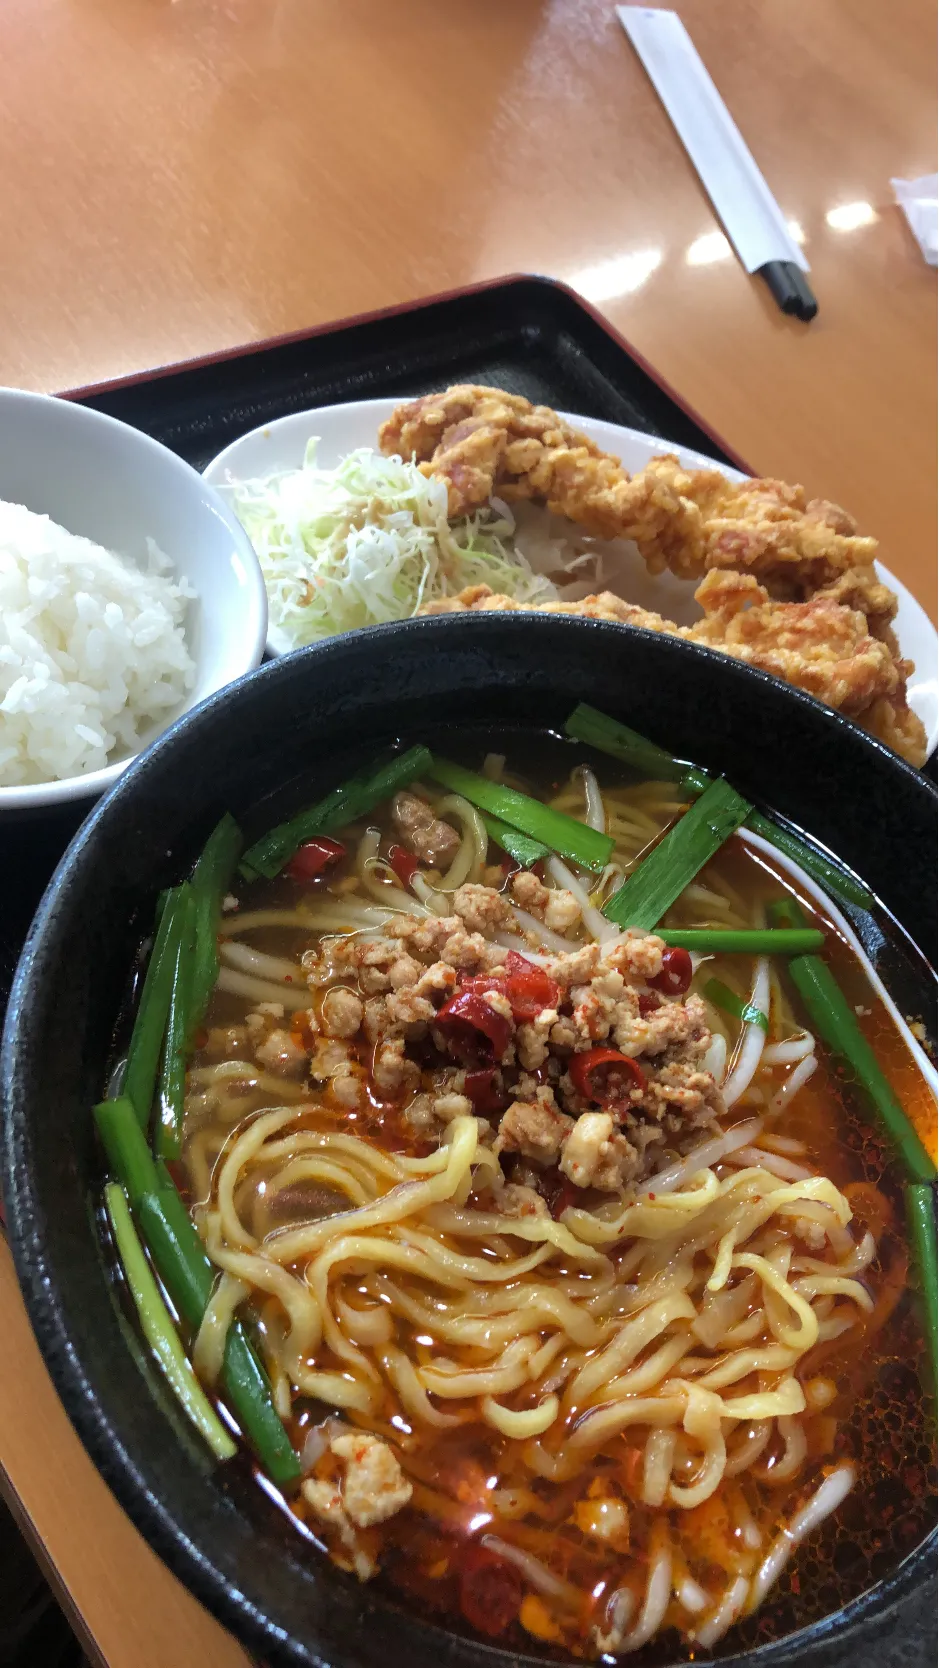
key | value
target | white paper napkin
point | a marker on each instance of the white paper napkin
(919, 200)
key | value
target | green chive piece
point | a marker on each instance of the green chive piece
(834, 1020)
(249, 1392)
(158, 1329)
(189, 1277)
(182, 1264)
(211, 879)
(836, 880)
(554, 829)
(751, 941)
(595, 728)
(172, 1089)
(608, 736)
(690, 843)
(124, 1142)
(146, 1041)
(920, 1202)
(694, 781)
(723, 997)
(519, 846)
(269, 854)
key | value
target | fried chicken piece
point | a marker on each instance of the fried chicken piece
(481, 599)
(820, 646)
(758, 526)
(817, 645)
(861, 589)
(788, 584)
(483, 441)
(894, 723)
(823, 645)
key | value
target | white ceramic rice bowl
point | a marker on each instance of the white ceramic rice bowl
(110, 483)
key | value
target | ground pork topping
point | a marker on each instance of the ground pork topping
(517, 1071)
(374, 1487)
(483, 909)
(280, 1053)
(342, 1012)
(371, 1488)
(596, 1156)
(536, 1129)
(435, 842)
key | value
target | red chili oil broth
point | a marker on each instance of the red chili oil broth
(879, 1419)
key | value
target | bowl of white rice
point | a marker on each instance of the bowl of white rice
(128, 593)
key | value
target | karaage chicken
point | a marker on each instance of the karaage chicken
(787, 583)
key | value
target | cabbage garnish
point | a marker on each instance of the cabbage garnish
(368, 542)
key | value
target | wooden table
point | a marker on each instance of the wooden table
(181, 177)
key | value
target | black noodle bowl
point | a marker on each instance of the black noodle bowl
(245, 751)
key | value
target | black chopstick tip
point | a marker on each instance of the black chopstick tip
(789, 288)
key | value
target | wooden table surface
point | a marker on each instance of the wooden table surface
(180, 176)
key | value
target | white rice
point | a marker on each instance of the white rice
(91, 649)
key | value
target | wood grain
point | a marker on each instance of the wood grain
(180, 176)
(128, 1609)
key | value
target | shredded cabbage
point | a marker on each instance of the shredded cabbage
(368, 542)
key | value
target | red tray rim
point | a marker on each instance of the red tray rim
(334, 326)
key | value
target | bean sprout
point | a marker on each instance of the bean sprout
(550, 940)
(368, 864)
(534, 1570)
(434, 902)
(691, 1596)
(826, 1499)
(658, 1593)
(799, 1075)
(753, 1038)
(715, 1060)
(266, 967)
(595, 814)
(773, 1162)
(725, 1615)
(469, 860)
(788, 1052)
(262, 990)
(701, 1158)
(597, 925)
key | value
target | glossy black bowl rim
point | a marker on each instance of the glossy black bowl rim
(860, 1621)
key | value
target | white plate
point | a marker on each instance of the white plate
(341, 428)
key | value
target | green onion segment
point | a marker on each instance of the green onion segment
(689, 844)
(554, 829)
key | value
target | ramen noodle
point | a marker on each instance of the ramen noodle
(583, 1302)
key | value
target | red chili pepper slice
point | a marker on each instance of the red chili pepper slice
(648, 1004)
(310, 859)
(530, 988)
(607, 1076)
(404, 864)
(466, 1018)
(675, 976)
(484, 1089)
(490, 1591)
(527, 988)
(559, 1191)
